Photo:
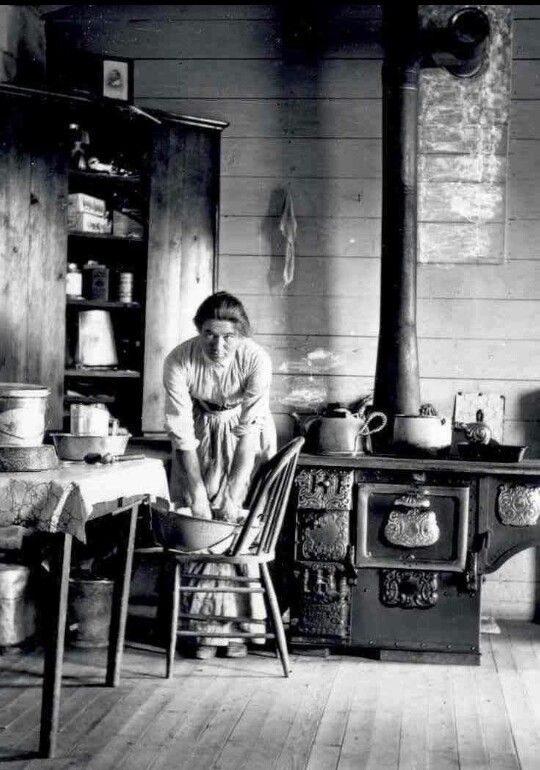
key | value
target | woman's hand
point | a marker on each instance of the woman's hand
(200, 505)
(230, 510)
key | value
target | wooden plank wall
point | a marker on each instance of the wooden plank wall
(22, 44)
(314, 124)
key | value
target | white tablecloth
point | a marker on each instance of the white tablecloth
(61, 500)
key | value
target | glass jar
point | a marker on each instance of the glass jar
(73, 281)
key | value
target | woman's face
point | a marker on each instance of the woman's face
(219, 339)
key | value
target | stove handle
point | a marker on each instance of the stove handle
(351, 570)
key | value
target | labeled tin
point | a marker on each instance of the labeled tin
(125, 287)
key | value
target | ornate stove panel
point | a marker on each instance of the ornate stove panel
(322, 594)
(518, 505)
(319, 489)
(323, 601)
(409, 589)
(322, 535)
(420, 528)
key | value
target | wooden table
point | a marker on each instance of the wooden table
(78, 493)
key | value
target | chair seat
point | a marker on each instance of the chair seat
(208, 558)
(189, 556)
(228, 635)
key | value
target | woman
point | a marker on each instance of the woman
(217, 414)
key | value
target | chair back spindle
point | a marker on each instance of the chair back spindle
(267, 500)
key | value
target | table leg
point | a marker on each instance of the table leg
(120, 605)
(54, 647)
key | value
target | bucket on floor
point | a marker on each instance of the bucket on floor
(17, 607)
(89, 612)
(22, 414)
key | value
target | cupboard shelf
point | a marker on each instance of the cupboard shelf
(90, 304)
(99, 176)
(126, 374)
(82, 399)
(106, 237)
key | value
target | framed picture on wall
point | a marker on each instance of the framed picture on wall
(117, 80)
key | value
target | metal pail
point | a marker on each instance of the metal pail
(22, 414)
(89, 612)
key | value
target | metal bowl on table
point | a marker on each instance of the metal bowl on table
(72, 447)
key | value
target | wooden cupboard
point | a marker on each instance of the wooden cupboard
(33, 242)
(173, 178)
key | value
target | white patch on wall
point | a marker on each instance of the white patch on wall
(319, 360)
(307, 394)
(323, 359)
(463, 151)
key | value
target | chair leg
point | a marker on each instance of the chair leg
(174, 621)
(276, 619)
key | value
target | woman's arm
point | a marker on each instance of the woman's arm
(242, 465)
(255, 410)
(189, 463)
(179, 425)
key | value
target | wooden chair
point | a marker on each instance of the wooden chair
(267, 502)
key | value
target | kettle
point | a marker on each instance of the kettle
(337, 430)
(478, 432)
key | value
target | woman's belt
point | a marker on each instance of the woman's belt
(209, 406)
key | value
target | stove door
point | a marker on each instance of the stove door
(412, 593)
(412, 527)
(414, 611)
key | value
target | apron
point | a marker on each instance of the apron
(214, 429)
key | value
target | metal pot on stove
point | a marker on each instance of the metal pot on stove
(425, 432)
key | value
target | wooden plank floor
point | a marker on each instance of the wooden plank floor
(337, 713)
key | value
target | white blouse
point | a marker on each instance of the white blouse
(192, 380)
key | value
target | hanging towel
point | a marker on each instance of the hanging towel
(287, 226)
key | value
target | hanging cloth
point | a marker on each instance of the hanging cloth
(288, 227)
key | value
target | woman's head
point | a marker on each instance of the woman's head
(221, 321)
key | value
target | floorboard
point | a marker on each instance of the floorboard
(335, 713)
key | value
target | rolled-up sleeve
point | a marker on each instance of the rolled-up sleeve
(256, 401)
(178, 405)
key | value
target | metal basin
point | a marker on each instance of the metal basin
(71, 447)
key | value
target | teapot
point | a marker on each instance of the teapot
(337, 430)
(478, 432)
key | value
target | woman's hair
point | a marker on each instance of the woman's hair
(222, 306)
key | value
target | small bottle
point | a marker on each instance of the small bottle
(73, 280)
(81, 140)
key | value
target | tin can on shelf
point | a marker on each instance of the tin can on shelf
(95, 281)
(125, 286)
